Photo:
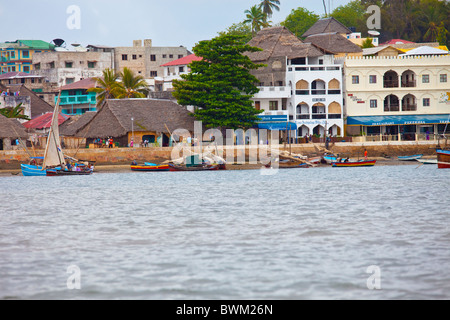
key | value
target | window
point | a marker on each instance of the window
(12, 55)
(320, 61)
(26, 53)
(181, 69)
(70, 80)
(373, 103)
(443, 77)
(51, 65)
(69, 64)
(372, 79)
(26, 69)
(153, 73)
(273, 105)
(134, 57)
(152, 57)
(171, 56)
(164, 56)
(91, 64)
(426, 102)
(257, 105)
(425, 78)
(355, 79)
(180, 56)
(124, 57)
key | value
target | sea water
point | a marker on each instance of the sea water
(320, 233)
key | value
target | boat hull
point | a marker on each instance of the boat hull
(443, 157)
(410, 158)
(150, 168)
(354, 164)
(329, 159)
(173, 167)
(29, 170)
(428, 161)
(57, 173)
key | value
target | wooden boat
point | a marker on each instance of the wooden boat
(360, 163)
(315, 160)
(410, 158)
(201, 167)
(330, 158)
(54, 162)
(150, 167)
(288, 164)
(428, 161)
(443, 158)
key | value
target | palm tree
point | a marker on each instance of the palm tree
(107, 87)
(131, 86)
(15, 112)
(267, 7)
(256, 18)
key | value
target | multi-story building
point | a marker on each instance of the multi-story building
(173, 71)
(17, 56)
(66, 67)
(144, 59)
(397, 98)
(75, 98)
(300, 88)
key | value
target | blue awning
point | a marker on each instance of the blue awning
(398, 120)
(277, 126)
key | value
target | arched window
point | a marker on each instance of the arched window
(334, 110)
(334, 87)
(390, 79)
(391, 103)
(302, 87)
(408, 79)
(409, 103)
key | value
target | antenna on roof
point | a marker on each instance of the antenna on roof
(373, 33)
(59, 42)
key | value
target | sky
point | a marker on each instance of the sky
(116, 23)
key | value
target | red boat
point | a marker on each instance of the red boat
(360, 163)
(443, 157)
(150, 167)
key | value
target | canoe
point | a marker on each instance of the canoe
(330, 159)
(410, 158)
(315, 160)
(360, 163)
(150, 167)
(428, 161)
(57, 173)
(205, 167)
(29, 170)
(443, 158)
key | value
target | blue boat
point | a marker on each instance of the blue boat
(330, 158)
(29, 170)
(410, 158)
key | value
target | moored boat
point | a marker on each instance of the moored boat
(361, 163)
(330, 158)
(201, 167)
(150, 167)
(443, 158)
(428, 161)
(410, 158)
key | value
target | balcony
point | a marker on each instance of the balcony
(302, 92)
(318, 91)
(334, 91)
(319, 116)
(334, 116)
(409, 107)
(273, 92)
(81, 99)
(390, 84)
(408, 84)
(392, 108)
(303, 116)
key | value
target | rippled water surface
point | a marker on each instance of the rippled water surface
(299, 234)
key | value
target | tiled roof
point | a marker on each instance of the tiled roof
(82, 84)
(182, 61)
(16, 74)
(44, 121)
(327, 25)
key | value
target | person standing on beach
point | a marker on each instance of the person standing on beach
(365, 154)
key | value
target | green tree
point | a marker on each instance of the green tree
(433, 12)
(220, 86)
(131, 86)
(299, 21)
(442, 34)
(268, 6)
(256, 18)
(367, 43)
(241, 29)
(353, 14)
(15, 112)
(106, 87)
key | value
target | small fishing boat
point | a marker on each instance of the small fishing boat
(410, 158)
(147, 166)
(360, 163)
(330, 158)
(201, 167)
(428, 161)
(443, 158)
(315, 160)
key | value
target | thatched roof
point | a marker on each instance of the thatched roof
(280, 42)
(114, 119)
(75, 123)
(327, 25)
(38, 106)
(334, 43)
(11, 129)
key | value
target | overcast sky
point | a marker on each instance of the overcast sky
(119, 22)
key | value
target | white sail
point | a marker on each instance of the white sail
(54, 156)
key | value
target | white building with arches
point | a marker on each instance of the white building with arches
(397, 98)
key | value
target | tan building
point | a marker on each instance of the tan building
(397, 98)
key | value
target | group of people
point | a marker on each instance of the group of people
(108, 142)
(8, 93)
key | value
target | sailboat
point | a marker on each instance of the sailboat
(54, 162)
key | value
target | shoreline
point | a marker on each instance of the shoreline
(118, 168)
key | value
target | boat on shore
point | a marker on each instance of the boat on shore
(443, 158)
(427, 161)
(410, 158)
(330, 158)
(150, 167)
(360, 163)
(201, 167)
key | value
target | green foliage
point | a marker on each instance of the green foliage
(106, 88)
(15, 113)
(267, 7)
(131, 86)
(220, 86)
(367, 43)
(442, 34)
(300, 20)
(353, 14)
(256, 18)
(240, 29)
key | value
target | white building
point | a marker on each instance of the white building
(173, 71)
(397, 98)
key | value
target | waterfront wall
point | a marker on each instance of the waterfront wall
(12, 159)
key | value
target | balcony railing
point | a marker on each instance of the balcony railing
(334, 91)
(302, 92)
(303, 116)
(318, 91)
(408, 84)
(392, 107)
(390, 83)
(409, 107)
(334, 116)
(81, 99)
(319, 116)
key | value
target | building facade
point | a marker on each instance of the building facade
(17, 56)
(397, 98)
(75, 98)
